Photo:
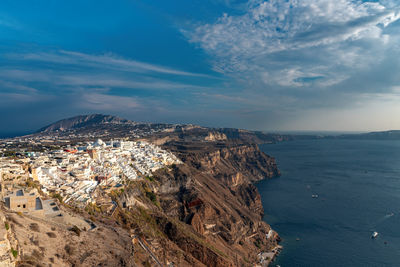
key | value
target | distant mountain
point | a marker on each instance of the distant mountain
(99, 124)
(112, 126)
(385, 135)
(84, 121)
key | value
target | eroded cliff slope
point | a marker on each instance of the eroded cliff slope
(206, 211)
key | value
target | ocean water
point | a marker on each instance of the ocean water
(358, 187)
(11, 134)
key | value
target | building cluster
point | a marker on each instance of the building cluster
(49, 140)
(12, 168)
(75, 172)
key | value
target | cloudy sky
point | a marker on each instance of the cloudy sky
(266, 65)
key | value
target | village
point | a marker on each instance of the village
(34, 184)
(75, 172)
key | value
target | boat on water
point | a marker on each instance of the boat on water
(314, 196)
(374, 235)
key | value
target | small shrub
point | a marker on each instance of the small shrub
(34, 227)
(150, 178)
(7, 225)
(151, 196)
(51, 235)
(69, 249)
(76, 230)
(57, 196)
(14, 252)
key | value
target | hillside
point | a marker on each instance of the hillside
(204, 211)
(83, 121)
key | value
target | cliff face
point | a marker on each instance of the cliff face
(235, 165)
(208, 207)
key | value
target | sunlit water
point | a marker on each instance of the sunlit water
(358, 187)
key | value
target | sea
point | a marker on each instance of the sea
(4, 135)
(358, 188)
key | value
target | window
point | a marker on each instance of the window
(24, 206)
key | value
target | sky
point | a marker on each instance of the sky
(276, 65)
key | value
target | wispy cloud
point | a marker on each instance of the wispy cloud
(103, 102)
(103, 61)
(82, 79)
(66, 71)
(293, 39)
(9, 22)
(66, 80)
(276, 25)
(4, 85)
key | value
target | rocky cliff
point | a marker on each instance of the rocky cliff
(203, 212)
(206, 211)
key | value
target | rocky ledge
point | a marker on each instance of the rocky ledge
(206, 211)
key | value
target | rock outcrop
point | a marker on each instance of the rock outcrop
(216, 136)
(208, 208)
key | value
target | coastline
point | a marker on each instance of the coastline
(265, 259)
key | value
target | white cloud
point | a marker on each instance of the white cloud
(296, 40)
(276, 25)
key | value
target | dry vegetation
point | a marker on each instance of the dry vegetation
(43, 244)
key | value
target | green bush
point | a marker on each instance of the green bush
(14, 252)
(150, 178)
(7, 225)
(57, 196)
(151, 196)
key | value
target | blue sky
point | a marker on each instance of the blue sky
(267, 65)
